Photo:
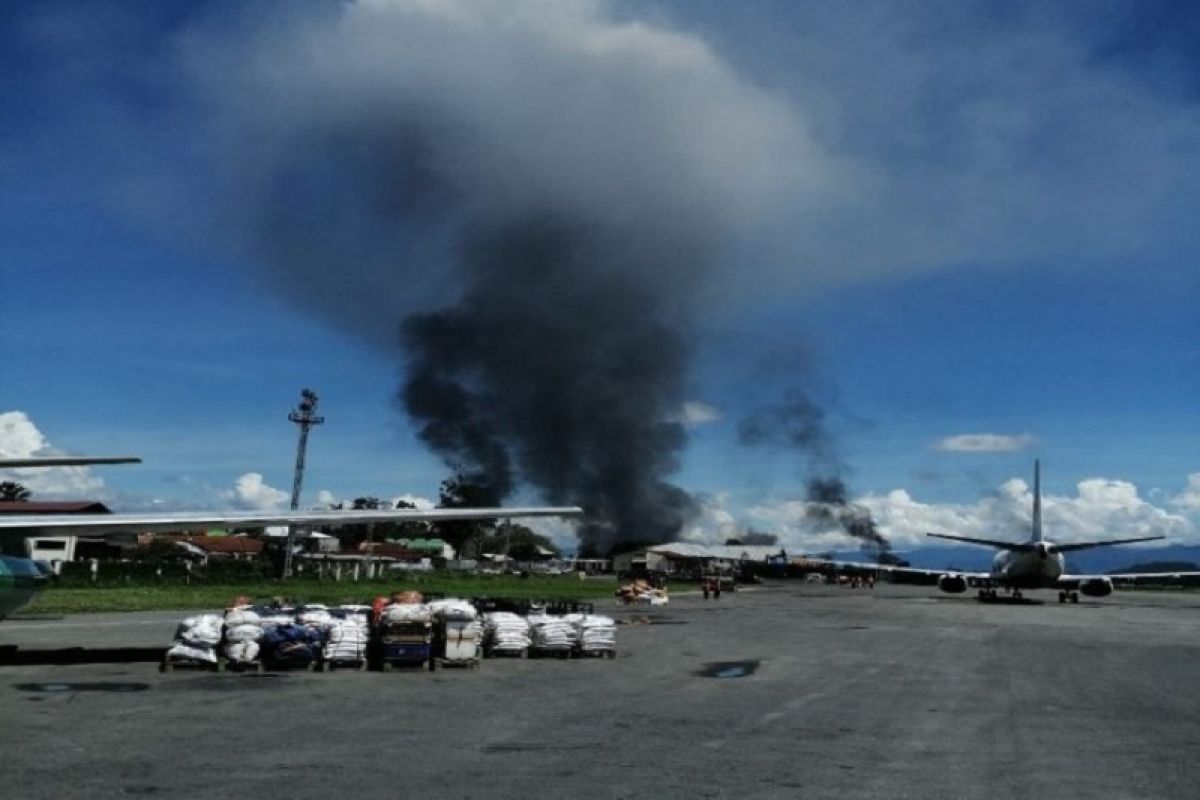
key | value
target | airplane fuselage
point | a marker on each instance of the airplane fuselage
(1038, 568)
(20, 580)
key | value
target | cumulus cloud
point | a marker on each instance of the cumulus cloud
(1101, 508)
(252, 494)
(985, 443)
(421, 503)
(21, 438)
(1189, 498)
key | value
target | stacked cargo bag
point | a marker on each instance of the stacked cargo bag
(460, 631)
(506, 634)
(291, 646)
(346, 642)
(314, 616)
(243, 630)
(196, 640)
(356, 613)
(552, 635)
(597, 635)
(401, 613)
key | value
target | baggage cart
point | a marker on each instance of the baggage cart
(402, 644)
(458, 644)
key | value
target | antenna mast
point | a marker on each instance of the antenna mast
(304, 415)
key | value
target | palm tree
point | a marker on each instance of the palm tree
(10, 490)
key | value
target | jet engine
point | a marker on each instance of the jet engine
(956, 584)
(1096, 587)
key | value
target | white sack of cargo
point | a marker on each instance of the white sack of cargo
(242, 615)
(407, 612)
(314, 616)
(243, 633)
(203, 630)
(596, 633)
(505, 632)
(242, 651)
(552, 633)
(453, 610)
(347, 641)
(277, 618)
(353, 613)
(182, 651)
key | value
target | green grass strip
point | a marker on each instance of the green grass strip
(214, 596)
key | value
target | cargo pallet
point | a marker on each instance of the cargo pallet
(172, 664)
(343, 663)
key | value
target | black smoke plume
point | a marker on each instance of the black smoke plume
(538, 194)
(827, 503)
(798, 422)
(548, 371)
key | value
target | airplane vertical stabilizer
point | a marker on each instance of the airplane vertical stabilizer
(1037, 501)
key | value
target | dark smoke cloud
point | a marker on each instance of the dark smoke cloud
(799, 423)
(537, 194)
(796, 421)
(827, 503)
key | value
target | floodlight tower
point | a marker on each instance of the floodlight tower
(304, 415)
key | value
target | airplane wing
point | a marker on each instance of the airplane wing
(1067, 548)
(1073, 581)
(1021, 546)
(99, 524)
(65, 461)
(894, 570)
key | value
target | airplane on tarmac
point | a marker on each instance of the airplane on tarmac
(1032, 564)
(22, 578)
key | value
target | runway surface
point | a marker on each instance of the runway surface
(897, 692)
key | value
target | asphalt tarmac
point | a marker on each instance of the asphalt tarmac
(788, 691)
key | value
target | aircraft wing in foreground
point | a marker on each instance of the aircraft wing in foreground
(100, 524)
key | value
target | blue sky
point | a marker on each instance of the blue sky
(1007, 247)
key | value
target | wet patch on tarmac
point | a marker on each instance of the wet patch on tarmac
(99, 686)
(728, 669)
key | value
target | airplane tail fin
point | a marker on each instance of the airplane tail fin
(1037, 502)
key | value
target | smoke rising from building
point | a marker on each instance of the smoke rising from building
(536, 194)
(799, 423)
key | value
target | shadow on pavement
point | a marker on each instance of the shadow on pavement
(13, 656)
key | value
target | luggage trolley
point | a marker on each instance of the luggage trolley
(407, 644)
(458, 643)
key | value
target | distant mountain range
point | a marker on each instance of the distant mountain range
(1100, 560)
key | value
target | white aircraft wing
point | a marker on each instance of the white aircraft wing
(894, 570)
(1073, 581)
(65, 461)
(99, 524)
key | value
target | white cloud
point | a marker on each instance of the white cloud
(1100, 509)
(326, 498)
(252, 494)
(1189, 498)
(20, 438)
(422, 503)
(985, 443)
(694, 412)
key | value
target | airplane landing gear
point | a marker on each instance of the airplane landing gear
(1065, 596)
